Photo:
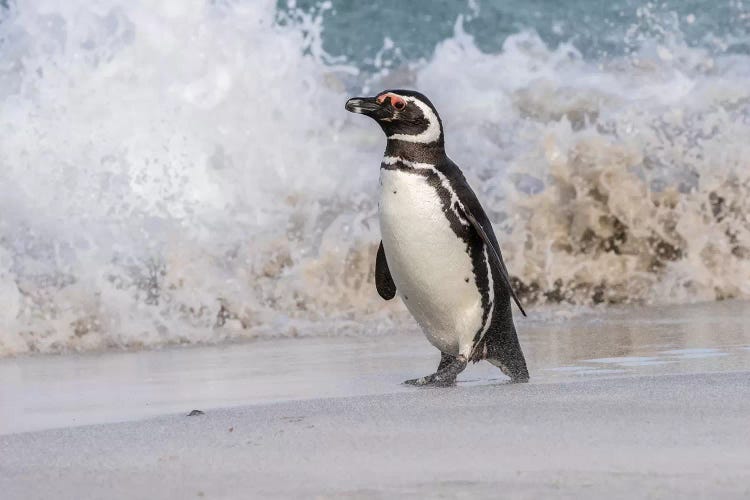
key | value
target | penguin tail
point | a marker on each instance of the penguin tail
(505, 353)
(518, 373)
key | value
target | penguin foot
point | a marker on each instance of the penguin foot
(444, 377)
(432, 380)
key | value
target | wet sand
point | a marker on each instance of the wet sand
(634, 402)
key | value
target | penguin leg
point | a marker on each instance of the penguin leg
(445, 360)
(446, 375)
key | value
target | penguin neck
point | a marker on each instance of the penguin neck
(432, 153)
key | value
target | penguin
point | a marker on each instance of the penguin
(438, 250)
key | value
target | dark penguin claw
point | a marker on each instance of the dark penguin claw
(445, 376)
(433, 380)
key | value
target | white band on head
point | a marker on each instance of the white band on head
(431, 134)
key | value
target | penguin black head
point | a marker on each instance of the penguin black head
(404, 116)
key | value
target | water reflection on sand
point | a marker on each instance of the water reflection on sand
(648, 341)
(60, 391)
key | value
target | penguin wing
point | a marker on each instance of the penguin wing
(494, 255)
(479, 221)
(383, 280)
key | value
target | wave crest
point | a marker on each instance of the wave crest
(188, 174)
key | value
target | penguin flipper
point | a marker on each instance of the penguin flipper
(494, 257)
(383, 279)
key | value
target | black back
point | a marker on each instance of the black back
(500, 342)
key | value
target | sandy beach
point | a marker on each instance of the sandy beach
(649, 402)
(647, 437)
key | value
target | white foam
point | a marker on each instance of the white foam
(185, 172)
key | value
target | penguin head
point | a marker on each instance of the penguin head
(404, 115)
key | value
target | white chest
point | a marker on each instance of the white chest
(429, 263)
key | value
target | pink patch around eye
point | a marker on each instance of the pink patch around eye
(397, 101)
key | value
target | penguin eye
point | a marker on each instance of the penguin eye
(396, 101)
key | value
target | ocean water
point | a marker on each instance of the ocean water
(183, 171)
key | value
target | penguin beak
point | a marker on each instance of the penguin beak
(363, 105)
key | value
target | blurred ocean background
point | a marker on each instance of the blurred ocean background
(183, 171)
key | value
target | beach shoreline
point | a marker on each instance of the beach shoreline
(43, 392)
(633, 402)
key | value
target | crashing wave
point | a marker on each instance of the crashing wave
(186, 173)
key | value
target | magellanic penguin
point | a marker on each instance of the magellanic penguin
(438, 249)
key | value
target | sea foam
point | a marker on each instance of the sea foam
(185, 172)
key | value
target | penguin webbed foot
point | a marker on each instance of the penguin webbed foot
(445, 376)
(432, 380)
